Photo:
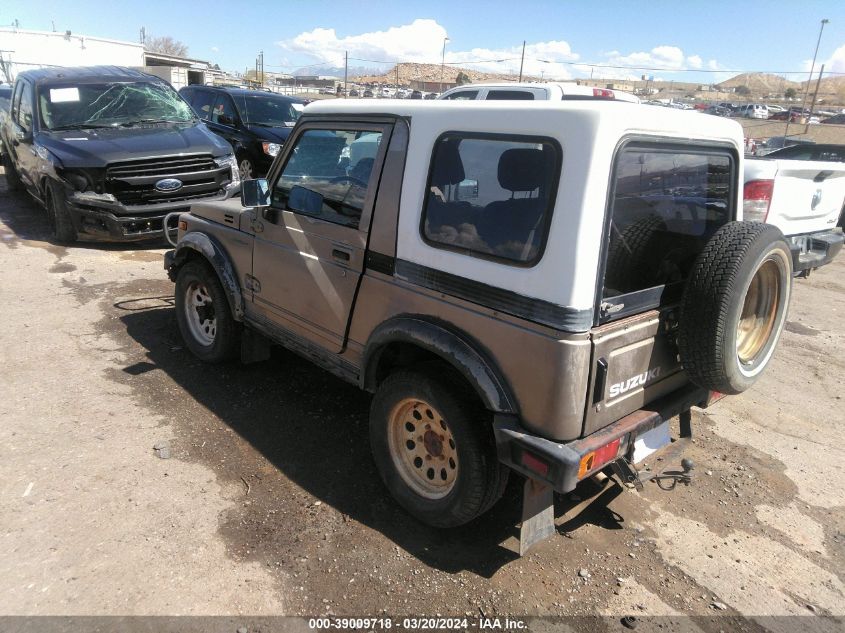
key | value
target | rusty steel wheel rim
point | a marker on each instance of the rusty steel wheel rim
(759, 313)
(422, 448)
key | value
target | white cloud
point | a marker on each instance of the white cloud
(694, 61)
(836, 63)
(215, 49)
(422, 41)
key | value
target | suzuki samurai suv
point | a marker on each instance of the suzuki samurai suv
(538, 287)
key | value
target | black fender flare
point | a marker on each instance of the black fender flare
(213, 252)
(456, 348)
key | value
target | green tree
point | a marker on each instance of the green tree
(790, 93)
(462, 79)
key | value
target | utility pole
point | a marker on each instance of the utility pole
(261, 57)
(815, 95)
(812, 69)
(443, 62)
(345, 72)
(522, 61)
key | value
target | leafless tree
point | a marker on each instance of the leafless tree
(167, 46)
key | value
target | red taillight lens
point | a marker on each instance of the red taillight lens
(604, 94)
(757, 196)
(533, 463)
(599, 457)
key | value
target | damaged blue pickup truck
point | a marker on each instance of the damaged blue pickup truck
(110, 151)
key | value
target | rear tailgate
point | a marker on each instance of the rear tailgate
(807, 195)
(635, 361)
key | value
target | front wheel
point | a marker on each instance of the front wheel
(203, 314)
(247, 171)
(58, 215)
(434, 448)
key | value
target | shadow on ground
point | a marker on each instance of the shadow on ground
(313, 428)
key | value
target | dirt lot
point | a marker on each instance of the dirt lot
(270, 503)
(828, 133)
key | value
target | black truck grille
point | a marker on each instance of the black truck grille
(134, 182)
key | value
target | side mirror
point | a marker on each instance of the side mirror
(255, 193)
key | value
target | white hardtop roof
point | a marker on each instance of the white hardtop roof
(627, 117)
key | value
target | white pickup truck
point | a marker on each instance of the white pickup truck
(804, 199)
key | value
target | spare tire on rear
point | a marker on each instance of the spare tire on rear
(734, 306)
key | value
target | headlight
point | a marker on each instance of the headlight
(232, 163)
(271, 149)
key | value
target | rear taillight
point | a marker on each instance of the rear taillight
(603, 93)
(599, 457)
(757, 196)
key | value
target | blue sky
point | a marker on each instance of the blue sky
(568, 37)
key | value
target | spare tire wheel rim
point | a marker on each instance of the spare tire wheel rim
(422, 448)
(199, 313)
(762, 313)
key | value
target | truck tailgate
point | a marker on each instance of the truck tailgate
(807, 196)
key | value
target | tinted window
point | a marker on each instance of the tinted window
(202, 102)
(328, 174)
(491, 197)
(667, 203)
(223, 111)
(510, 95)
(270, 111)
(16, 100)
(459, 96)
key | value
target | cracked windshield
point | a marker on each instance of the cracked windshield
(111, 105)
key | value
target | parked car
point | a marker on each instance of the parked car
(415, 94)
(752, 111)
(5, 98)
(718, 111)
(535, 303)
(431, 95)
(554, 91)
(353, 92)
(367, 93)
(110, 151)
(838, 119)
(256, 124)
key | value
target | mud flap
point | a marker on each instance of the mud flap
(538, 516)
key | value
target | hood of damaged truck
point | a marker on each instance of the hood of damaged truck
(101, 146)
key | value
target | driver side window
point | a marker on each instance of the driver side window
(328, 174)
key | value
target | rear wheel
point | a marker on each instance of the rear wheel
(203, 314)
(734, 306)
(434, 448)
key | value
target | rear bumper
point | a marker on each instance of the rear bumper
(815, 249)
(559, 465)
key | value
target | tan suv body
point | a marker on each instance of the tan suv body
(508, 279)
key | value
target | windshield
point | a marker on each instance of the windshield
(271, 111)
(110, 104)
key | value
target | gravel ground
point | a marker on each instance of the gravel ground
(270, 504)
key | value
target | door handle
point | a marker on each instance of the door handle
(341, 255)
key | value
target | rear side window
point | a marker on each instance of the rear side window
(667, 203)
(491, 196)
(24, 118)
(510, 95)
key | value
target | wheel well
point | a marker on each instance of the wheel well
(403, 355)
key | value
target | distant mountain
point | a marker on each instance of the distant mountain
(431, 72)
(761, 83)
(333, 71)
